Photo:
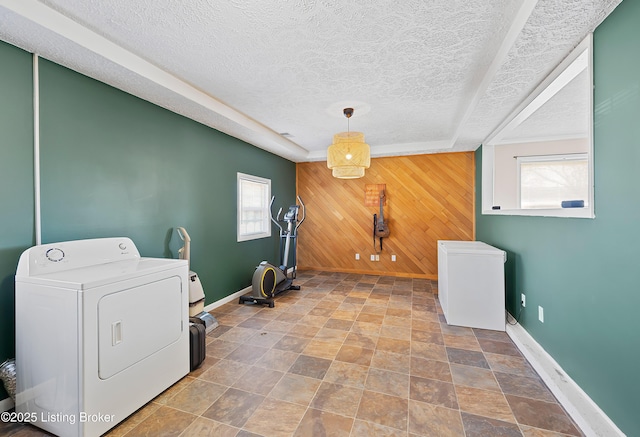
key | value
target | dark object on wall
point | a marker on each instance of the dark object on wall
(380, 228)
(496, 207)
(572, 204)
(197, 345)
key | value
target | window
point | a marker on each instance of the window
(550, 135)
(546, 181)
(254, 194)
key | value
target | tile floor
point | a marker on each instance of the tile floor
(350, 355)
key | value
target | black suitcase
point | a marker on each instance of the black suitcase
(197, 351)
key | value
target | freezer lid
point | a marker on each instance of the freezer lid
(470, 248)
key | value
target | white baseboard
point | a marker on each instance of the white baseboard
(582, 409)
(6, 404)
(229, 298)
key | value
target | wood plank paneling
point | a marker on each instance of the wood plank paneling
(428, 198)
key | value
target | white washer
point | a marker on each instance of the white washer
(100, 332)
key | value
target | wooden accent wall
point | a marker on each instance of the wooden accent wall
(428, 198)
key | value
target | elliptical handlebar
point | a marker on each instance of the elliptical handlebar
(304, 215)
(275, 222)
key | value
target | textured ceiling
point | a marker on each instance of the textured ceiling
(423, 76)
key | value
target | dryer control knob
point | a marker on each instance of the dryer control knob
(122, 246)
(55, 254)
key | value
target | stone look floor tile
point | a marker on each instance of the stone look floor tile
(390, 361)
(355, 355)
(431, 369)
(386, 410)
(434, 420)
(196, 397)
(291, 344)
(323, 349)
(318, 423)
(543, 415)
(350, 355)
(484, 403)
(202, 427)
(461, 342)
(296, 389)
(362, 428)
(279, 418)
(225, 372)
(385, 381)
(433, 391)
(476, 377)
(478, 426)
(337, 398)
(312, 367)
(234, 407)
(524, 387)
(164, 422)
(394, 345)
(499, 347)
(258, 380)
(466, 357)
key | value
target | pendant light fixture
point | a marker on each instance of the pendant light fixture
(349, 155)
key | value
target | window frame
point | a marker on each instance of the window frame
(266, 219)
(530, 159)
(547, 89)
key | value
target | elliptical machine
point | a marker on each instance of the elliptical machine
(269, 280)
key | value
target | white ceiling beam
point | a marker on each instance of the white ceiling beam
(62, 25)
(508, 41)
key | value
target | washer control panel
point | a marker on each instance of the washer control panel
(67, 255)
(54, 254)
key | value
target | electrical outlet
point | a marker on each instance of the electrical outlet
(377, 257)
(523, 300)
(357, 256)
(373, 257)
(541, 314)
(393, 258)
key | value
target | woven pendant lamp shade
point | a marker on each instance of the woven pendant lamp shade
(348, 156)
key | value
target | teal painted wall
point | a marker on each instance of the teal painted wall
(113, 164)
(116, 165)
(582, 271)
(16, 180)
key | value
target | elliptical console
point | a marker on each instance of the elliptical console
(269, 280)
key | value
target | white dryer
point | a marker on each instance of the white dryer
(100, 331)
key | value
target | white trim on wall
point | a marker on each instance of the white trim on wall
(583, 410)
(36, 149)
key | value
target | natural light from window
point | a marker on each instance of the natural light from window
(253, 207)
(547, 181)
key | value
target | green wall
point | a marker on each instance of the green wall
(116, 165)
(582, 271)
(16, 180)
(113, 164)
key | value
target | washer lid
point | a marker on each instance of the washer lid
(83, 264)
(97, 275)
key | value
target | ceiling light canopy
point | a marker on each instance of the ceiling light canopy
(349, 155)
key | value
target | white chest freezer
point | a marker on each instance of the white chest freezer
(471, 284)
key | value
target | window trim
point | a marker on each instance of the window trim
(543, 92)
(241, 177)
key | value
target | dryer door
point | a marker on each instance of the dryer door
(135, 323)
